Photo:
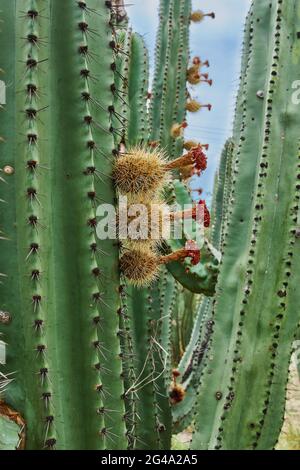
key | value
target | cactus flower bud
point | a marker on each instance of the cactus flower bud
(198, 16)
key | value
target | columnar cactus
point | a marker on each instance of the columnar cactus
(168, 106)
(62, 289)
(221, 197)
(255, 311)
(150, 310)
(69, 321)
(85, 323)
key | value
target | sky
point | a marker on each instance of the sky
(220, 42)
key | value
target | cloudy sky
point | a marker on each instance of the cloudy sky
(219, 41)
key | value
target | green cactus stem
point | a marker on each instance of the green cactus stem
(144, 311)
(138, 82)
(255, 313)
(64, 308)
(169, 89)
(221, 199)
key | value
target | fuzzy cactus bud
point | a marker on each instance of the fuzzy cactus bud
(140, 267)
(140, 172)
(194, 78)
(193, 106)
(198, 16)
(177, 129)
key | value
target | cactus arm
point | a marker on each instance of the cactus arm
(188, 353)
(179, 112)
(169, 77)
(191, 365)
(259, 345)
(237, 232)
(222, 195)
(72, 298)
(149, 313)
(191, 303)
(141, 318)
(150, 410)
(162, 52)
(169, 88)
(22, 344)
(131, 82)
(100, 294)
(276, 327)
(137, 130)
(71, 155)
(200, 279)
(164, 299)
(243, 82)
(108, 255)
(121, 105)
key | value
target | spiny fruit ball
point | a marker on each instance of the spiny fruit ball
(140, 267)
(193, 106)
(140, 172)
(198, 16)
(177, 130)
(145, 224)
